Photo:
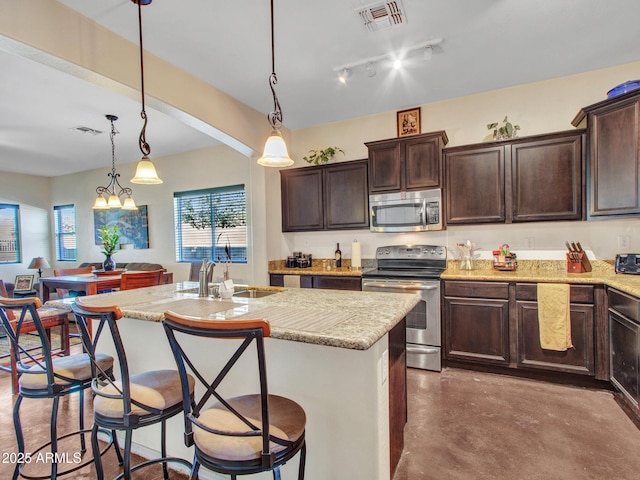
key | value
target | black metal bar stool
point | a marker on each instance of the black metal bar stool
(241, 435)
(135, 400)
(45, 376)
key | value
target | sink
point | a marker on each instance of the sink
(253, 293)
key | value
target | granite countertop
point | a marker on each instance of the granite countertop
(339, 318)
(546, 271)
(317, 268)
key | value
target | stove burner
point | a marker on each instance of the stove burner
(409, 261)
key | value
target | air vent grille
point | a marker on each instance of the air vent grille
(92, 131)
(383, 15)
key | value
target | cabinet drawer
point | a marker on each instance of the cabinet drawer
(625, 304)
(578, 293)
(454, 288)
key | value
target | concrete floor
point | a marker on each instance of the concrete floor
(462, 425)
(476, 426)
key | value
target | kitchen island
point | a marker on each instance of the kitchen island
(339, 354)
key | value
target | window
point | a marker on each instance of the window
(211, 224)
(65, 229)
(9, 234)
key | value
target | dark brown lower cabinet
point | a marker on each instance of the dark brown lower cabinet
(496, 323)
(333, 282)
(624, 331)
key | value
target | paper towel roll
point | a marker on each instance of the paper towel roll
(356, 255)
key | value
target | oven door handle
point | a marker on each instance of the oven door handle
(400, 286)
(423, 350)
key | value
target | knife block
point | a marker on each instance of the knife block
(581, 265)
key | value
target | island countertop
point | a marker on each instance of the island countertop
(345, 319)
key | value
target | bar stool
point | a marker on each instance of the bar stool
(241, 435)
(45, 376)
(136, 400)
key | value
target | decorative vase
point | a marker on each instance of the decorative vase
(108, 264)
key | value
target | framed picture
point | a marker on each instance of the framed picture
(409, 122)
(23, 283)
(133, 225)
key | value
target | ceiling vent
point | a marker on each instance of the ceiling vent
(382, 15)
(92, 131)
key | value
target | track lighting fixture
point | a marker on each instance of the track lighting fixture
(346, 73)
(369, 64)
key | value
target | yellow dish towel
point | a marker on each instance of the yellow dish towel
(292, 281)
(553, 316)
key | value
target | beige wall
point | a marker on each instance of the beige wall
(538, 108)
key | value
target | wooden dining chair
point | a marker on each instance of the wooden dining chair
(131, 280)
(61, 272)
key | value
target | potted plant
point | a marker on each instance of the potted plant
(504, 132)
(110, 241)
(317, 157)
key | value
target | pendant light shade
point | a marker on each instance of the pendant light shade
(145, 171)
(275, 152)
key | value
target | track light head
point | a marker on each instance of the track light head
(344, 74)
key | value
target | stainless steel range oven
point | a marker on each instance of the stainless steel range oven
(416, 269)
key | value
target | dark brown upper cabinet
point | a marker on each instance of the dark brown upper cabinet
(409, 163)
(529, 179)
(325, 197)
(613, 167)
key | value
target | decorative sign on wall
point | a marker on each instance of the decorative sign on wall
(133, 225)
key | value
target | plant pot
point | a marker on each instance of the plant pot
(108, 265)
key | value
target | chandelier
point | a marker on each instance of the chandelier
(111, 195)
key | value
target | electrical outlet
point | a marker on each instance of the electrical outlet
(305, 242)
(624, 243)
(529, 243)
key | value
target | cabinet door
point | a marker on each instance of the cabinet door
(422, 163)
(346, 196)
(547, 179)
(579, 359)
(613, 165)
(476, 330)
(302, 204)
(384, 167)
(625, 355)
(474, 185)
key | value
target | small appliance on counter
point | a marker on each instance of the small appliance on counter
(299, 260)
(628, 263)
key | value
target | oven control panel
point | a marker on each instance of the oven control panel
(419, 252)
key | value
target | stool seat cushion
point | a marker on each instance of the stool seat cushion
(158, 389)
(77, 367)
(286, 421)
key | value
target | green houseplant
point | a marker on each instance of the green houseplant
(318, 157)
(504, 132)
(110, 240)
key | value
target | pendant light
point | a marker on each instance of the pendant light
(275, 150)
(145, 171)
(110, 196)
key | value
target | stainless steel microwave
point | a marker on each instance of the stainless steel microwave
(406, 211)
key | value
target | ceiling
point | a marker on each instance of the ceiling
(487, 44)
